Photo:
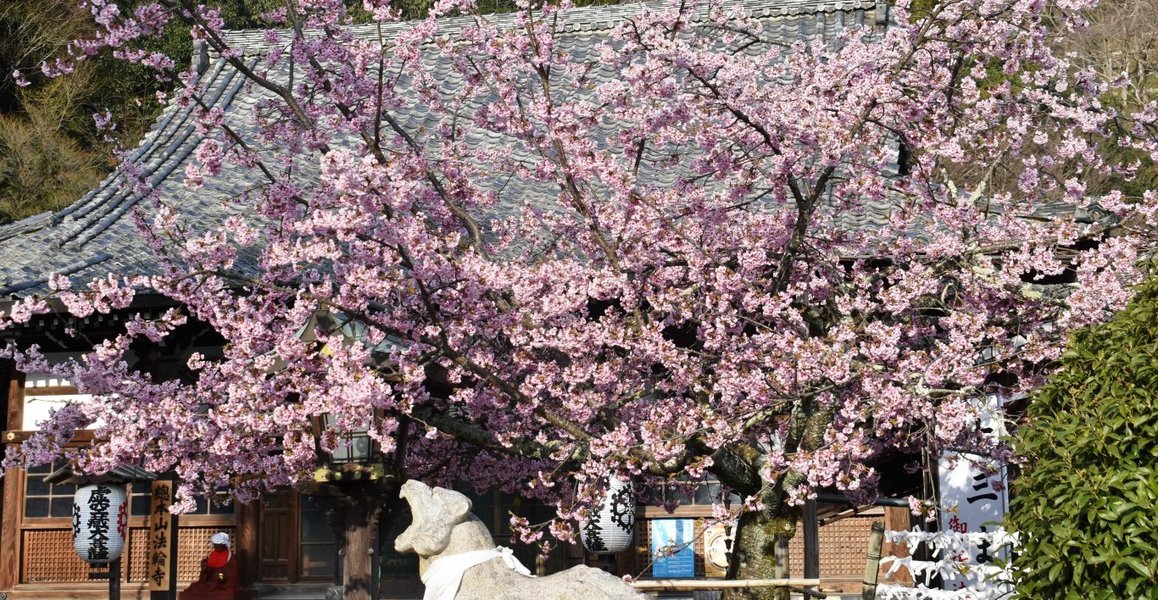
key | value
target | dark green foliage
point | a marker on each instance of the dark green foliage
(51, 152)
(1085, 505)
(47, 157)
(42, 166)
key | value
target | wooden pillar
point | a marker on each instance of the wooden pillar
(359, 515)
(872, 564)
(246, 543)
(10, 530)
(11, 505)
(115, 580)
(781, 570)
(811, 526)
(380, 528)
(898, 518)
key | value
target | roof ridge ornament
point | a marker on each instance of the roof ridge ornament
(200, 57)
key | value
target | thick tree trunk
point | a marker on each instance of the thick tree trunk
(755, 554)
(760, 549)
(359, 515)
(356, 523)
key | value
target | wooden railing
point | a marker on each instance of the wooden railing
(687, 585)
(806, 586)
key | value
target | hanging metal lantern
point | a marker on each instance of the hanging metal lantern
(100, 518)
(609, 530)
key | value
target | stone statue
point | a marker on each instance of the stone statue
(220, 574)
(458, 559)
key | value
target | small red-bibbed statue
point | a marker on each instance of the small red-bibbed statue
(220, 574)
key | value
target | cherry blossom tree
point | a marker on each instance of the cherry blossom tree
(776, 265)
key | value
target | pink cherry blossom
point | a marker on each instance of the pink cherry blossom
(709, 244)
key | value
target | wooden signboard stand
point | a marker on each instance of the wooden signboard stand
(162, 556)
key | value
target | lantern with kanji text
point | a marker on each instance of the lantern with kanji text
(100, 515)
(610, 527)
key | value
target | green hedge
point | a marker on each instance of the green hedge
(1086, 502)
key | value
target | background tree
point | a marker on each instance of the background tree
(1121, 44)
(1084, 502)
(43, 165)
(51, 150)
(688, 252)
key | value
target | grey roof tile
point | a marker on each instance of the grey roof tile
(96, 235)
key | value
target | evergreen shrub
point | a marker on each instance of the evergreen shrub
(1085, 503)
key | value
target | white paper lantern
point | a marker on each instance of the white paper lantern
(100, 517)
(609, 530)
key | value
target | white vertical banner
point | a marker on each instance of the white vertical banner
(974, 499)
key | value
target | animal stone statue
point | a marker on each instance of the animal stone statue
(458, 559)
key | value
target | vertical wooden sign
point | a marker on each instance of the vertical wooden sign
(161, 536)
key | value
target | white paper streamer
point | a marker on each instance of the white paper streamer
(951, 551)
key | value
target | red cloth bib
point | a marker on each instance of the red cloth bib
(218, 559)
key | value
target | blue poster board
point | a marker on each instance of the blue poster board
(673, 548)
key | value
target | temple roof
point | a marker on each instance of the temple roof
(97, 234)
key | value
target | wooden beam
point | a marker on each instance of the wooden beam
(18, 436)
(688, 511)
(51, 390)
(350, 472)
